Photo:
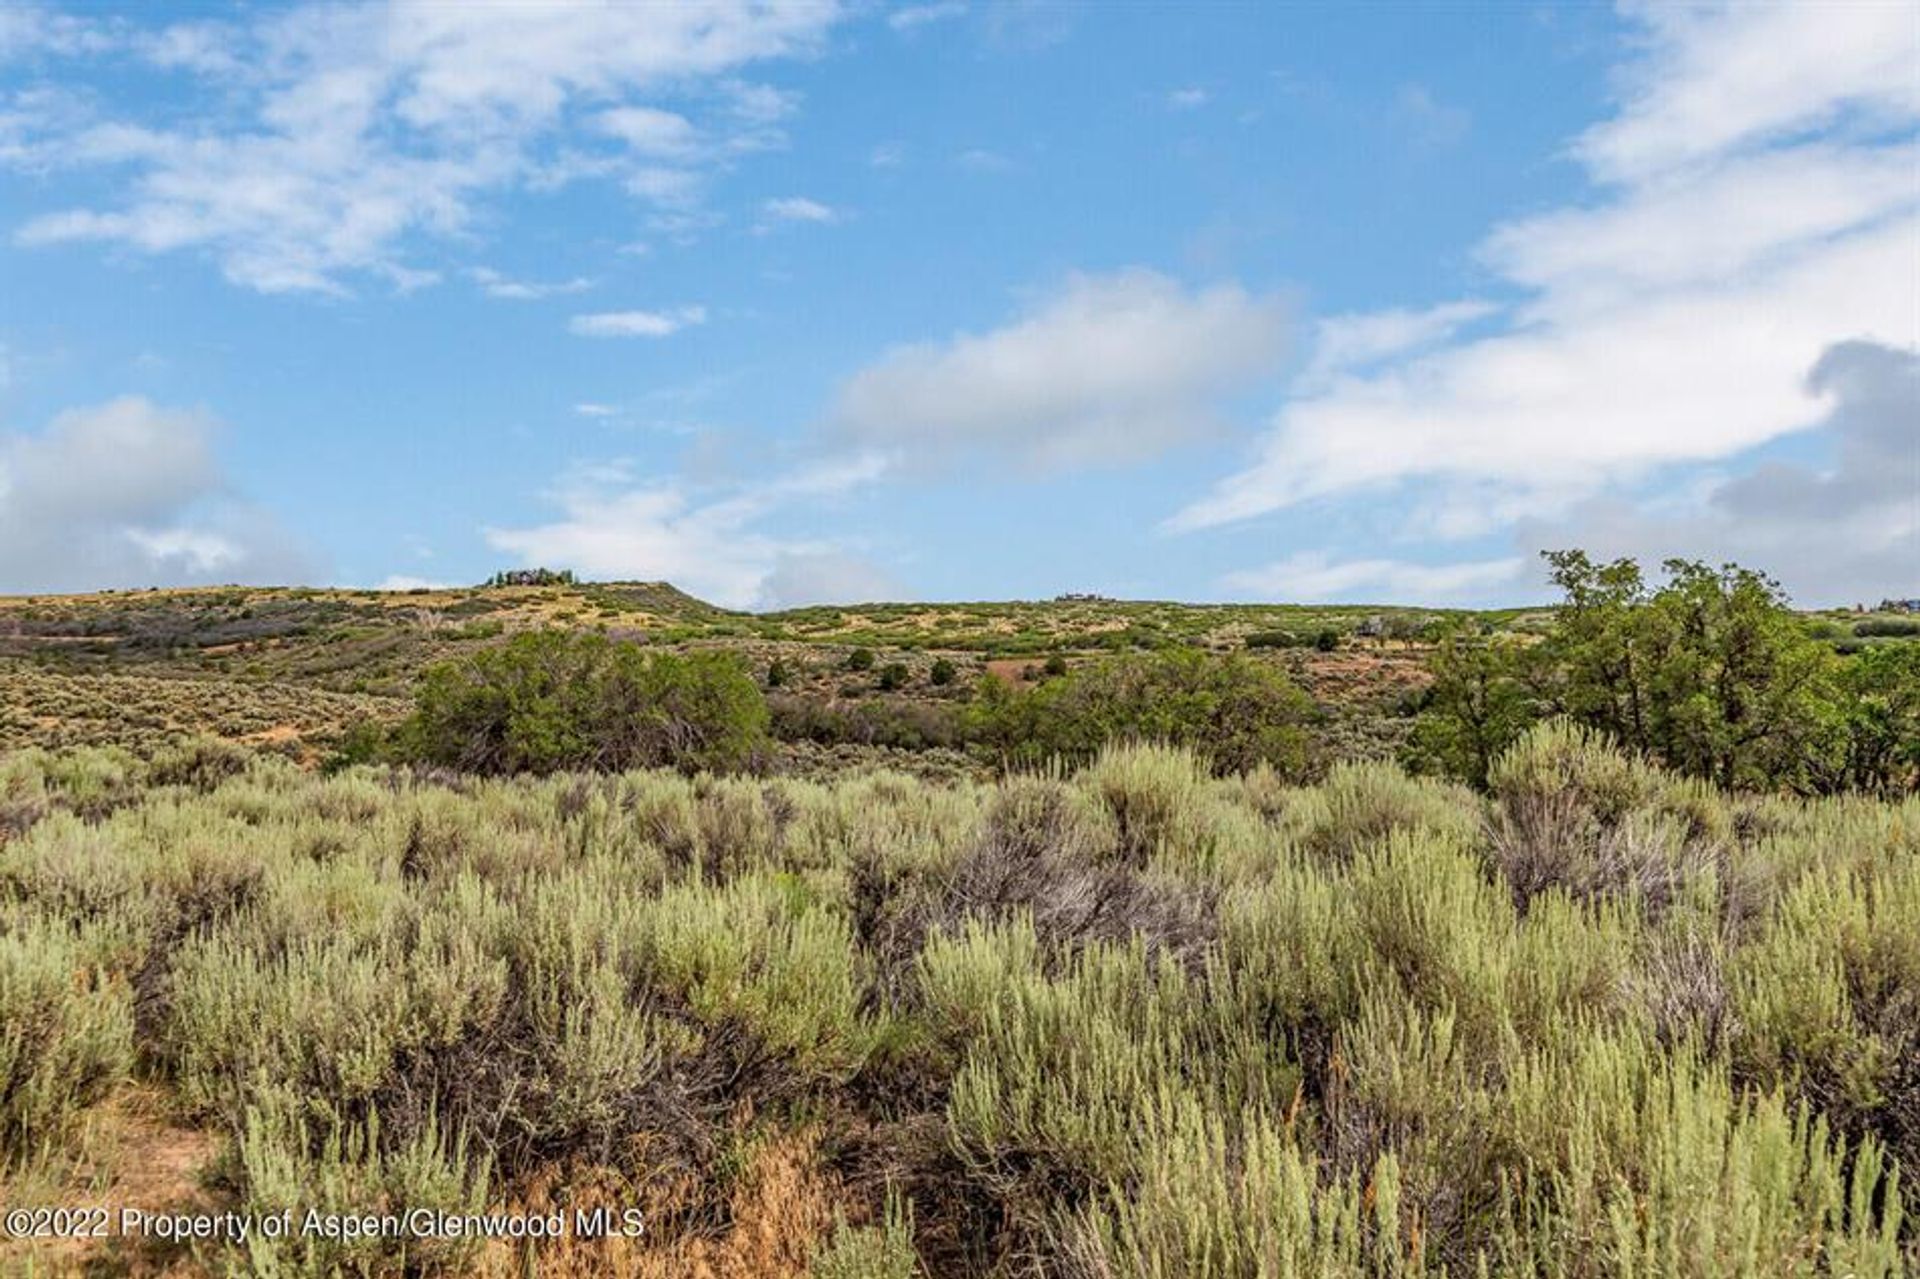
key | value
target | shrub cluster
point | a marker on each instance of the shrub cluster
(1134, 1019)
(1234, 711)
(552, 700)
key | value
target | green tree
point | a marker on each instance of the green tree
(1879, 719)
(1480, 701)
(551, 700)
(1740, 693)
(1711, 673)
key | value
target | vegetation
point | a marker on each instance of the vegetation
(1135, 1019)
(552, 700)
(1710, 673)
(1235, 712)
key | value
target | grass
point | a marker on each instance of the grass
(1130, 1020)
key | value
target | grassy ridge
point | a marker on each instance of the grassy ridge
(1133, 1020)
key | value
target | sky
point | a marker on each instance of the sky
(794, 302)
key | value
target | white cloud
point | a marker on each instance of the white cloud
(1671, 321)
(28, 29)
(1316, 577)
(496, 285)
(129, 494)
(590, 409)
(1344, 343)
(1836, 532)
(340, 134)
(1107, 369)
(636, 324)
(649, 130)
(406, 582)
(1717, 78)
(614, 527)
(913, 16)
(798, 208)
(1187, 99)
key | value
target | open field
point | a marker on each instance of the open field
(1134, 1020)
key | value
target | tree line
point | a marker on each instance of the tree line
(1708, 672)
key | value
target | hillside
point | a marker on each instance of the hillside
(292, 668)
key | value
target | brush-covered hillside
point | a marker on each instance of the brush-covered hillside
(293, 669)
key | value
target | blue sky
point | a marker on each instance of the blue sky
(971, 299)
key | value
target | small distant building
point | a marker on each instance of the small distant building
(1900, 606)
(1082, 597)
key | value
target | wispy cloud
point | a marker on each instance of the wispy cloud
(615, 524)
(914, 16)
(1187, 99)
(636, 324)
(1430, 121)
(1317, 577)
(798, 208)
(984, 160)
(495, 285)
(1757, 202)
(336, 136)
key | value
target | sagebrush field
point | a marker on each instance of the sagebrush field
(1130, 1020)
(858, 959)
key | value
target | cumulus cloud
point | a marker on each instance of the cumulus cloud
(1317, 577)
(614, 524)
(1842, 531)
(329, 137)
(636, 324)
(1757, 200)
(1107, 369)
(129, 494)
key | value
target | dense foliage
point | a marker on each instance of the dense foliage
(551, 700)
(1136, 1020)
(1233, 711)
(1710, 673)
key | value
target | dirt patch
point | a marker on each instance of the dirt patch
(1012, 670)
(783, 1206)
(138, 1156)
